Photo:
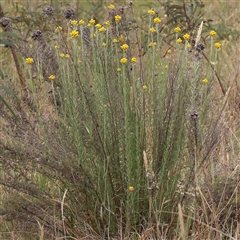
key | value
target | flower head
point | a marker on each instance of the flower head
(91, 22)
(144, 87)
(124, 47)
(59, 28)
(67, 55)
(74, 22)
(153, 30)
(205, 80)
(151, 12)
(133, 60)
(29, 60)
(51, 77)
(123, 60)
(179, 40)
(104, 44)
(111, 6)
(56, 47)
(121, 38)
(217, 45)
(107, 23)
(186, 36)
(74, 33)
(118, 18)
(212, 33)
(62, 55)
(131, 188)
(156, 20)
(177, 29)
(115, 40)
(98, 25)
(169, 51)
(81, 22)
(152, 44)
(102, 29)
(119, 69)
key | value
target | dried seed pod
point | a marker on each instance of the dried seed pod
(48, 10)
(69, 14)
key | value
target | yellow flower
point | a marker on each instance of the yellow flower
(81, 22)
(152, 44)
(74, 33)
(29, 60)
(144, 87)
(52, 77)
(179, 40)
(118, 18)
(205, 80)
(177, 29)
(124, 47)
(102, 29)
(119, 69)
(111, 6)
(74, 22)
(169, 51)
(79, 61)
(131, 188)
(92, 35)
(56, 47)
(59, 28)
(67, 55)
(134, 60)
(115, 40)
(217, 45)
(212, 33)
(186, 36)
(91, 22)
(189, 45)
(121, 38)
(104, 44)
(156, 20)
(98, 25)
(62, 55)
(151, 12)
(123, 60)
(153, 30)
(107, 23)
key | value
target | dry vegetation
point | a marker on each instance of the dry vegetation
(128, 130)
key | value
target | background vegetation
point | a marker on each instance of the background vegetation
(124, 130)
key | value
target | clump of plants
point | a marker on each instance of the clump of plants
(117, 132)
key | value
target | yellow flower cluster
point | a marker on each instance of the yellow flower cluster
(124, 47)
(177, 29)
(111, 6)
(102, 29)
(205, 80)
(107, 23)
(151, 44)
(118, 18)
(212, 33)
(52, 77)
(81, 22)
(133, 60)
(131, 188)
(179, 40)
(144, 87)
(74, 22)
(62, 55)
(91, 22)
(151, 12)
(59, 28)
(74, 33)
(156, 20)
(217, 45)
(153, 30)
(29, 60)
(123, 60)
(186, 36)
